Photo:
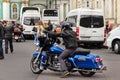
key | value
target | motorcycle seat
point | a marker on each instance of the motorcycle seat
(81, 51)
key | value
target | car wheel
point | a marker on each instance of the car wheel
(116, 47)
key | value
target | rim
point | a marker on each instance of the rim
(35, 66)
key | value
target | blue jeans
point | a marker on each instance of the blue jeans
(1, 47)
(35, 37)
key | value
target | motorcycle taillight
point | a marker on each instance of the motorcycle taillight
(98, 59)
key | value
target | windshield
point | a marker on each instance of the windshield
(31, 20)
(91, 21)
(72, 19)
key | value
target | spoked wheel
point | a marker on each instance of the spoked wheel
(35, 67)
(86, 73)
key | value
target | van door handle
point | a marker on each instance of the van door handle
(94, 31)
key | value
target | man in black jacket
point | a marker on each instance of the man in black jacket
(1, 40)
(70, 41)
(8, 37)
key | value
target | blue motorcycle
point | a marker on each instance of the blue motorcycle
(82, 60)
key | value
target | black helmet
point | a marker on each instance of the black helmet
(66, 25)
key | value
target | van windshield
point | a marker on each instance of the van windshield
(91, 21)
(30, 20)
(72, 19)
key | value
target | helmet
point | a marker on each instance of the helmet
(66, 25)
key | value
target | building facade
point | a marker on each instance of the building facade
(110, 7)
(10, 9)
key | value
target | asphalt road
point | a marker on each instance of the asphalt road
(16, 66)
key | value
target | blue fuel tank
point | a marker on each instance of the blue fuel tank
(56, 50)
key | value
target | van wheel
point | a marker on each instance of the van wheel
(116, 47)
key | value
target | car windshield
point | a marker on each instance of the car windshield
(91, 21)
(31, 20)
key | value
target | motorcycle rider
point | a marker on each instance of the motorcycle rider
(70, 41)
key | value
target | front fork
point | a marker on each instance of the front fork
(40, 56)
(37, 57)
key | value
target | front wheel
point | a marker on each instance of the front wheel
(86, 73)
(35, 67)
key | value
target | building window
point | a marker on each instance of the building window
(88, 3)
(97, 4)
(64, 6)
(14, 11)
(112, 11)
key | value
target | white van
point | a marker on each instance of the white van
(29, 16)
(113, 40)
(89, 25)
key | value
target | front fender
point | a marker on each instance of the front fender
(35, 54)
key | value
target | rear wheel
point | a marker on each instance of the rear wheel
(116, 47)
(86, 73)
(35, 67)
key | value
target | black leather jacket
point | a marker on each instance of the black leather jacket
(8, 32)
(1, 31)
(69, 38)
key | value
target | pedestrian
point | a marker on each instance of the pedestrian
(1, 40)
(8, 37)
(40, 34)
(107, 24)
(50, 26)
(35, 33)
(110, 27)
(22, 34)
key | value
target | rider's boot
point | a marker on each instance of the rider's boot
(65, 74)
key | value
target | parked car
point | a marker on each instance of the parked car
(113, 40)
